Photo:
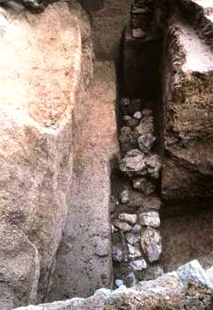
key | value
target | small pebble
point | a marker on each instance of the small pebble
(124, 196)
(138, 265)
(132, 238)
(117, 254)
(133, 251)
(136, 229)
(151, 218)
(119, 282)
(131, 280)
(138, 115)
(125, 227)
(125, 101)
(127, 118)
(129, 218)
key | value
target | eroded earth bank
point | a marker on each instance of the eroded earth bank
(106, 154)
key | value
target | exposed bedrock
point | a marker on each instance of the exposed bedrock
(45, 67)
(187, 114)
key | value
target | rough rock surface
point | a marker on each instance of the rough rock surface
(188, 115)
(184, 289)
(42, 61)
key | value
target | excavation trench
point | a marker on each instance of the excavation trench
(119, 231)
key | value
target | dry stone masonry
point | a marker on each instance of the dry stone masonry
(137, 244)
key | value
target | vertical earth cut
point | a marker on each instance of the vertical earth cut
(45, 67)
(188, 112)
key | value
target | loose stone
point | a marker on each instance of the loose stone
(144, 185)
(117, 254)
(146, 125)
(131, 280)
(138, 115)
(138, 33)
(138, 265)
(129, 218)
(133, 162)
(132, 238)
(125, 227)
(133, 122)
(127, 118)
(150, 219)
(124, 196)
(133, 252)
(125, 101)
(153, 164)
(151, 244)
(119, 282)
(136, 229)
(146, 142)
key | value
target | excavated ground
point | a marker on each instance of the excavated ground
(84, 259)
(187, 236)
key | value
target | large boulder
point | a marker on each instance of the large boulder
(41, 62)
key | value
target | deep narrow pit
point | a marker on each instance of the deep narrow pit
(144, 246)
(135, 178)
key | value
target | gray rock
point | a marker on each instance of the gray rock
(133, 163)
(131, 280)
(138, 33)
(117, 254)
(193, 271)
(133, 252)
(138, 115)
(132, 238)
(129, 218)
(144, 185)
(151, 244)
(136, 229)
(125, 101)
(132, 123)
(151, 218)
(146, 125)
(112, 228)
(119, 282)
(125, 227)
(124, 196)
(151, 273)
(137, 163)
(127, 118)
(146, 142)
(153, 165)
(138, 265)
